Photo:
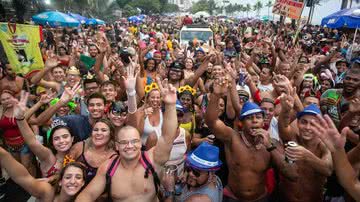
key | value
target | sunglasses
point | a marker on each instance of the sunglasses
(195, 171)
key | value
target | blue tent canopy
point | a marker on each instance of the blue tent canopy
(94, 21)
(80, 18)
(349, 18)
(54, 19)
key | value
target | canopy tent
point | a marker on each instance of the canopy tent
(80, 18)
(94, 21)
(54, 19)
(349, 18)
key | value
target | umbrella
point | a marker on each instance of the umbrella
(94, 21)
(80, 18)
(349, 18)
(134, 19)
(55, 18)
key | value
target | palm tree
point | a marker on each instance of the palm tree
(247, 9)
(257, 7)
(268, 5)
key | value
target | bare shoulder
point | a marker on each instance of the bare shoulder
(76, 149)
(198, 198)
(102, 170)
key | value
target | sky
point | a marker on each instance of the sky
(326, 8)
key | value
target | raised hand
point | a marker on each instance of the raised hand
(168, 93)
(287, 102)
(46, 98)
(52, 62)
(326, 130)
(221, 85)
(69, 93)
(20, 106)
(132, 71)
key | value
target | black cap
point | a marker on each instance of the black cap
(118, 107)
(177, 65)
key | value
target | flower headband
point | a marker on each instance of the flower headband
(150, 87)
(187, 88)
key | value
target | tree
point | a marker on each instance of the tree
(247, 9)
(129, 11)
(204, 5)
(268, 5)
(257, 7)
(147, 6)
(20, 8)
(170, 8)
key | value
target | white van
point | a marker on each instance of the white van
(202, 33)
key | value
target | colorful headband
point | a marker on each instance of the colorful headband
(150, 87)
(187, 88)
(70, 104)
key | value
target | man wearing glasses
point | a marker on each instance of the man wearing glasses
(132, 176)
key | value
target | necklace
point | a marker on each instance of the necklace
(247, 143)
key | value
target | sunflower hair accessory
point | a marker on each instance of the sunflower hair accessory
(67, 160)
(150, 87)
(73, 70)
(187, 88)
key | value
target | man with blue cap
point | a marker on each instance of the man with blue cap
(249, 152)
(201, 182)
(310, 155)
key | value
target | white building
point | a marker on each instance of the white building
(184, 5)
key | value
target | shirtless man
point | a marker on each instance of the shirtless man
(248, 152)
(128, 182)
(311, 156)
(10, 81)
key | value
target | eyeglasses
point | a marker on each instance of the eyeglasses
(126, 142)
(195, 171)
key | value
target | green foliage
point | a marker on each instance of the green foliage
(170, 8)
(257, 7)
(123, 3)
(129, 11)
(204, 5)
(147, 6)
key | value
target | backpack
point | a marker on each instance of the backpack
(149, 169)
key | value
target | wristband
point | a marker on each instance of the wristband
(271, 148)
(20, 119)
(132, 93)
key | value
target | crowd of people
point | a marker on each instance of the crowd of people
(123, 112)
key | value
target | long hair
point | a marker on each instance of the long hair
(110, 144)
(59, 177)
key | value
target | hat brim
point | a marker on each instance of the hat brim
(191, 162)
(307, 112)
(251, 112)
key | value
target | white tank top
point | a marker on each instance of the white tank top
(149, 129)
(177, 154)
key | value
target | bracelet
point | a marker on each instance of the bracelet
(271, 148)
(21, 119)
(132, 93)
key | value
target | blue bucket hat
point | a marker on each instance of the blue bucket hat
(312, 109)
(179, 106)
(248, 109)
(204, 157)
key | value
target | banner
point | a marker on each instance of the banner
(21, 45)
(288, 8)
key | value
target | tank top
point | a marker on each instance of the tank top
(11, 132)
(215, 195)
(178, 151)
(148, 129)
